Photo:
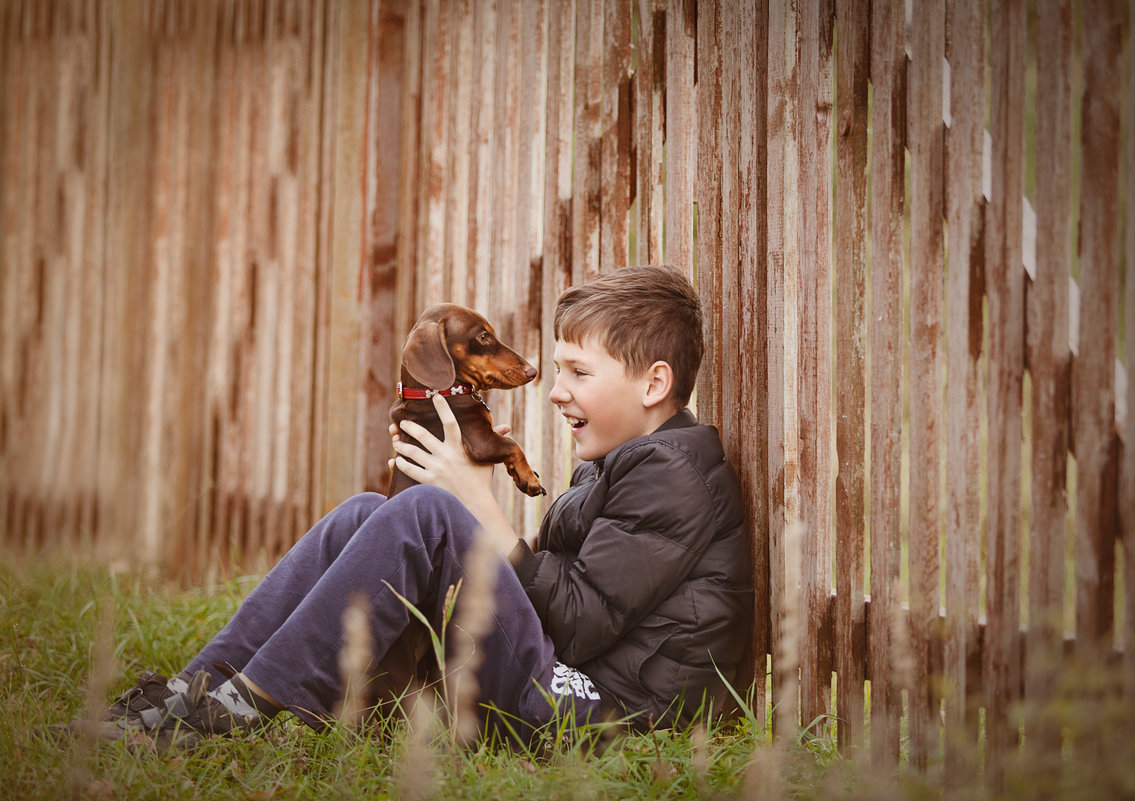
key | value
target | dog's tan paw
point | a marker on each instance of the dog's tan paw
(528, 482)
(533, 489)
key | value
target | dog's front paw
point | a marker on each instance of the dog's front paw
(526, 479)
(533, 487)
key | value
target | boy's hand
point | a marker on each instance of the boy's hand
(504, 429)
(445, 464)
(442, 463)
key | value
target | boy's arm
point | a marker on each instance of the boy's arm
(655, 524)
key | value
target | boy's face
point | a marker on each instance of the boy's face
(603, 405)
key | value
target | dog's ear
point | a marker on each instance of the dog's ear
(427, 358)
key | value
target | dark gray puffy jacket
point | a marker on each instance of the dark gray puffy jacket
(641, 575)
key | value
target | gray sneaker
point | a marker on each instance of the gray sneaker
(205, 714)
(141, 715)
(151, 711)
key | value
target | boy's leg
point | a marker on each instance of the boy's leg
(414, 543)
(151, 701)
(278, 594)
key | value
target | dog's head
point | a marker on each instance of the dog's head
(451, 343)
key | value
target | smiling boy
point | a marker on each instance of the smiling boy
(634, 603)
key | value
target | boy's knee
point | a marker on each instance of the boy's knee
(360, 507)
(427, 497)
(432, 507)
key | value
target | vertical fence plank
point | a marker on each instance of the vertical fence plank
(269, 279)
(341, 459)
(95, 152)
(127, 289)
(851, 364)
(384, 148)
(1005, 287)
(965, 53)
(616, 127)
(43, 294)
(1093, 400)
(783, 327)
(815, 388)
(681, 133)
(735, 44)
(220, 438)
(752, 58)
(484, 137)
(309, 275)
(649, 87)
(533, 39)
(504, 298)
(1127, 488)
(247, 219)
(707, 203)
(82, 164)
(556, 265)
(458, 278)
(436, 56)
(887, 197)
(11, 378)
(188, 426)
(409, 174)
(1049, 362)
(587, 171)
(194, 551)
(926, 213)
(58, 209)
(507, 299)
(15, 140)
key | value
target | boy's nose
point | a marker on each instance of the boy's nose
(556, 394)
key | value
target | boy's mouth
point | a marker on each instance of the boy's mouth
(575, 422)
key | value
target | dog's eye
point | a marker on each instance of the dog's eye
(485, 338)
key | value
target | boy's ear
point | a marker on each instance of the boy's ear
(659, 380)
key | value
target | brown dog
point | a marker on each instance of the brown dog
(452, 351)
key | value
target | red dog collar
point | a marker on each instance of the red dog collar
(420, 393)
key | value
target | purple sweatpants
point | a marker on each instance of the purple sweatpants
(287, 633)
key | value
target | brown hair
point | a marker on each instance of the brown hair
(640, 315)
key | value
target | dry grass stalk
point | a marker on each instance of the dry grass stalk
(415, 773)
(699, 757)
(355, 660)
(765, 774)
(473, 620)
(102, 672)
(787, 647)
(902, 655)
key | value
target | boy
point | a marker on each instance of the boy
(637, 596)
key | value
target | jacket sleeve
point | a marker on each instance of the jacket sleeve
(656, 521)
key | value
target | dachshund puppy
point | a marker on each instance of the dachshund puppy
(452, 351)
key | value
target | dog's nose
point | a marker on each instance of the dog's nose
(529, 372)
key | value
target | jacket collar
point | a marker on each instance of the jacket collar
(682, 419)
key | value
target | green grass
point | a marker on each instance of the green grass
(50, 631)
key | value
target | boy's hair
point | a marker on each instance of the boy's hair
(640, 315)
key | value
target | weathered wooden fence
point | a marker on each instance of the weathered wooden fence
(909, 229)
